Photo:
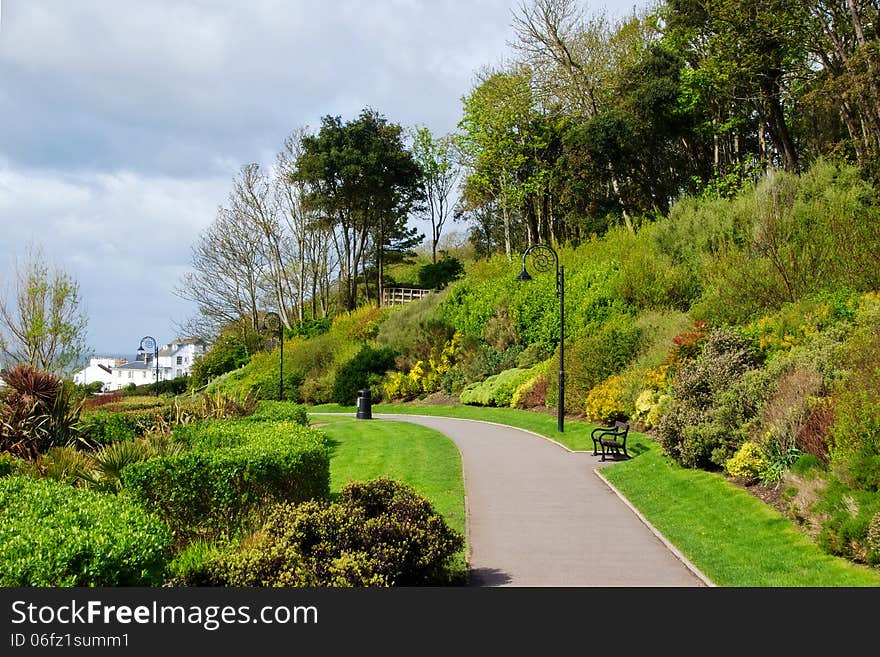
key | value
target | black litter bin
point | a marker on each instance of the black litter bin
(365, 410)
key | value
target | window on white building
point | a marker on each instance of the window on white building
(180, 360)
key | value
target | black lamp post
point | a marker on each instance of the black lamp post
(276, 319)
(544, 259)
(153, 346)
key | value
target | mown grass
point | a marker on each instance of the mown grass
(732, 537)
(421, 457)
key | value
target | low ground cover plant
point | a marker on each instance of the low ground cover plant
(54, 535)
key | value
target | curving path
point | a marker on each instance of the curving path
(539, 516)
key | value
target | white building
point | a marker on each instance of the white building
(178, 357)
(99, 369)
(175, 360)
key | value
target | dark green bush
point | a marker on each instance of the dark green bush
(235, 471)
(52, 534)
(434, 276)
(355, 374)
(379, 533)
(176, 386)
(309, 328)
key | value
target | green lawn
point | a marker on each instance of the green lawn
(416, 455)
(733, 538)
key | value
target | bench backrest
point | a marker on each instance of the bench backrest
(621, 427)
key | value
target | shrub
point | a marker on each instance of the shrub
(874, 540)
(379, 533)
(412, 323)
(591, 359)
(37, 412)
(714, 402)
(748, 463)
(280, 411)
(434, 276)
(425, 376)
(847, 515)
(64, 536)
(234, 472)
(310, 328)
(497, 390)
(359, 325)
(105, 426)
(604, 403)
(533, 355)
(855, 434)
(226, 353)
(356, 373)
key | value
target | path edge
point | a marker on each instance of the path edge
(675, 551)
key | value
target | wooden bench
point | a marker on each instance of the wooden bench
(610, 440)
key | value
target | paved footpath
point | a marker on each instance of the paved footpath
(539, 516)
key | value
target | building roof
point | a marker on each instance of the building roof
(136, 365)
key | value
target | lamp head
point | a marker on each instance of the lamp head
(524, 275)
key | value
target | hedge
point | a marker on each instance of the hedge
(234, 473)
(52, 534)
(277, 411)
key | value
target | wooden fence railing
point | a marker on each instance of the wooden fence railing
(395, 295)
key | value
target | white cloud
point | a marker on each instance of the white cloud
(125, 237)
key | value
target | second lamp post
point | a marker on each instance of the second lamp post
(544, 259)
(274, 318)
(153, 346)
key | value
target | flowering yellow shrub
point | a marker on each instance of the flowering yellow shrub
(748, 463)
(360, 324)
(605, 401)
(657, 411)
(425, 376)
(656, 379)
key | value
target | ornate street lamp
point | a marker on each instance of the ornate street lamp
(151, 345)
(544, 258)
(276, 321)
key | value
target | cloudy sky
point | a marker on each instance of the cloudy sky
(124, 121)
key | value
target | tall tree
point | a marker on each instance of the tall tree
(362, 184)
(577, 61)
(440, 174)
(42, 324)
(846, 42)
(228, 272)
(750, 50)
(503, 136)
